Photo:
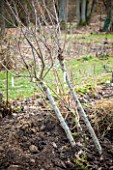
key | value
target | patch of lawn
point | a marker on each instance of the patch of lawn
(78, 38)
(23, 87)
(84, 70)
(109, 36)
(88, 68)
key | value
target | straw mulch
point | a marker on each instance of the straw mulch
(101, 116)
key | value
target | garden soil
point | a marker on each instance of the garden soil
(34, 140)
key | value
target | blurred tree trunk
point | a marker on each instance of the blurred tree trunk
(81, 12)
(89, 16)
(62, 12)
(84, 11)
(108, 7)
(78, 13)
(2, 12)
(87, 7)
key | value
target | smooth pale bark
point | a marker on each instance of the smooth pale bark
(2, 17)
(58, 113)
(62, 10)
(81, 110)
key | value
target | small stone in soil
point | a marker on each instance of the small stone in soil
(14, 167)
(54, 145)
(43, 127)
(1, 148)
(33, 149)
(32, 161)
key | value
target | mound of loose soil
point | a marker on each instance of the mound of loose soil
(36, 141)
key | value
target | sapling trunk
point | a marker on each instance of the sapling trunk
(58, 113)
(79, 106)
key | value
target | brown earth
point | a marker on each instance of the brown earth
(34, 140)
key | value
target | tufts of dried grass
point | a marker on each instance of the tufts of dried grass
(102, 116)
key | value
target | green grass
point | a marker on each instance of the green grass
(108, 36)
(87, 38)
(23, 87)
(87, 67)
(84, 72)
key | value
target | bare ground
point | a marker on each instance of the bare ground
(34, 140)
